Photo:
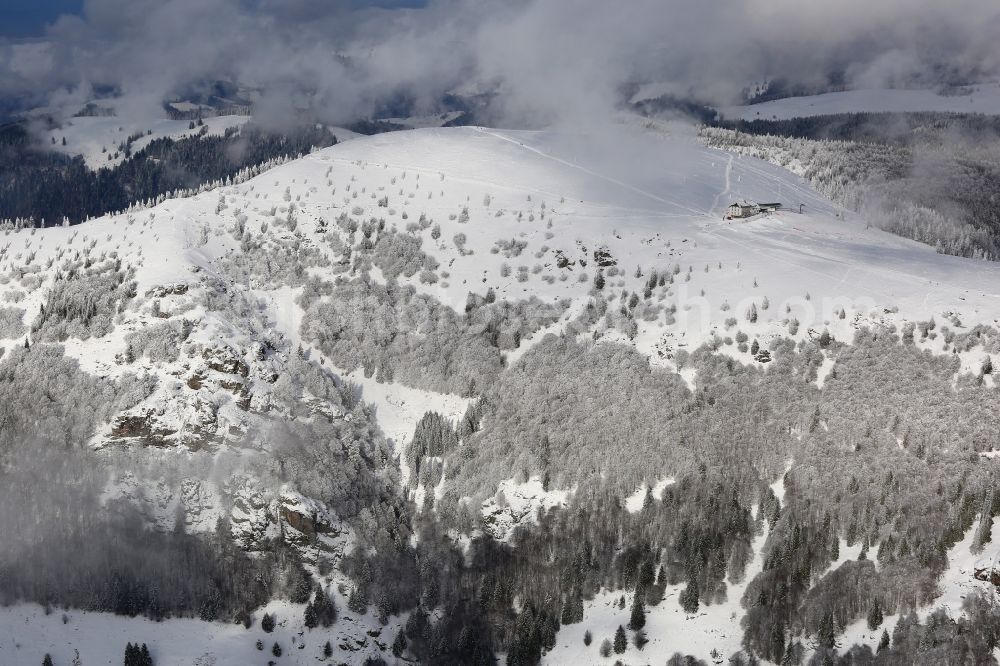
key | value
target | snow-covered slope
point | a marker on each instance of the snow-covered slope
(524, 214)
(983, 98)
(658, 207)
(27, 634)
(98, 139)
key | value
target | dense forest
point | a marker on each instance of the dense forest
(841, 491)
(870, 467)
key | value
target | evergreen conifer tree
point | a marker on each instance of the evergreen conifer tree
(689, 597)
(875, 616)
(357, 602)
(637, 620)
(325, 608)
(621, 640)
(267, 623)
(826, 635)
(399, 645)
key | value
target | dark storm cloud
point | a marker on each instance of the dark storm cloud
(336, 59)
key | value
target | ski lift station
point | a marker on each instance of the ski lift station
(747, 209)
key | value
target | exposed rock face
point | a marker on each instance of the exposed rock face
(311, 527)
(603, 258)
(250, 516)
(307, 525)
(209, 407)
(987, 569)
(226, 361)
(141, 426)
(178, 289)
(210, 392)
(518, 504)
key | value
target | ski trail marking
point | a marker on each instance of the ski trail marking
(729, 185)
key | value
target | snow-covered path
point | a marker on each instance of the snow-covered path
(714, 210)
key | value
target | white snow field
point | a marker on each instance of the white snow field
(97, 138)
(27, 634)
(981, 98)
(634, 200)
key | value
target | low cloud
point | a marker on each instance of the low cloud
(335, 60)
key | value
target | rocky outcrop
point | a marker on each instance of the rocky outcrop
(987, 569)
(143, 427)
(309, 525)
(226, 361)
(178, 289)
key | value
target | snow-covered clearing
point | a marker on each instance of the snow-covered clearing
(98, 138)
(634, 502)
(399, 408)
(518, 504)
(27, 634)
(669, 628)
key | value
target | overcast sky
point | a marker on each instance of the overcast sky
(28, 18)
(338, 59)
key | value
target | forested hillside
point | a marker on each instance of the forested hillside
(463, 396)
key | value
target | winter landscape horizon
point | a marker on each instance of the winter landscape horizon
(523, 333)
